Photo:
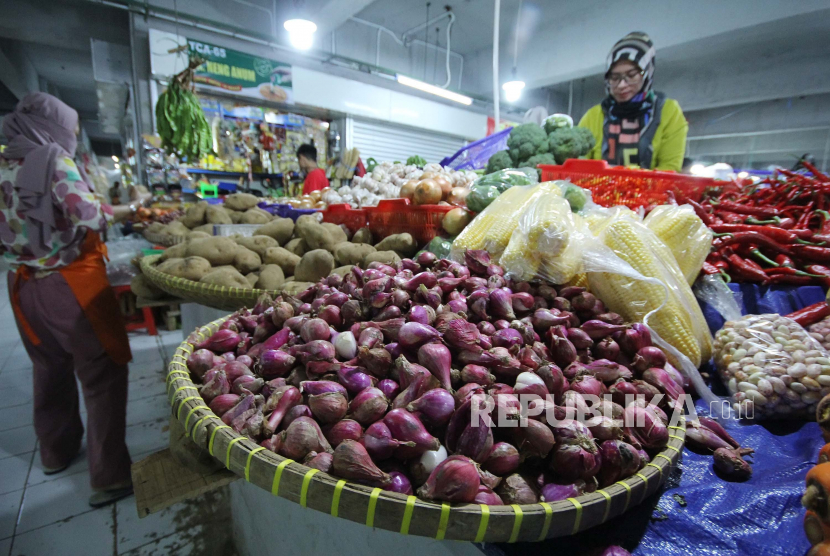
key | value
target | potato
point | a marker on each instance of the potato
(215, 214)
(271, 277)
(342, 270)
(191, 268)
(175, 228)
(292, 287)
(255, 216)
(144, 288)
(363, 235)
(280, 229)
(218, 250)
(351, 253)
(241, 201)
(178, 251)
(305, 220)
(195, 214)
(257, 244)
(314, 265)
(155, 228)
(246, 260)
(197, 234)
(317, 236)
(284, 258)
(228, 277)
(206, 228)
(236, 216)
(337, 233)
(402, 244)
(386, 257)
(252, 278)
(298, 246)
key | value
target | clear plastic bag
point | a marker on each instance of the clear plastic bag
(685, 234)
(821, 332)
(120, 253)
(546, 243)
(712, 290)
(772, 367)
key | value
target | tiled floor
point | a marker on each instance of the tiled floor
(42, 514)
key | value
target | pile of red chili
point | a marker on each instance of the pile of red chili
(774, 231)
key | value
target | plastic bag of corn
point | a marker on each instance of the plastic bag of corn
(685, 234)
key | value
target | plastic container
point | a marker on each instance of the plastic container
(398, 216)
(285, 211)
(353, 219)
(476, 154)
(617, 185)
(245, 230)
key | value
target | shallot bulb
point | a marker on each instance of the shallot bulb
(346, 429)
(352, 461)
(455, 479)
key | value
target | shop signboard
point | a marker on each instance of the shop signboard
(236, 72)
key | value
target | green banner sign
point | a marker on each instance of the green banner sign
(233, 71)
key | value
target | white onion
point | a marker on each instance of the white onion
(430, 459)
(345, 346)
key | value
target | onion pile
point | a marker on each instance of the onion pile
(446, 380)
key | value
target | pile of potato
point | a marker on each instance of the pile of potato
(198, 220)
(281, 255)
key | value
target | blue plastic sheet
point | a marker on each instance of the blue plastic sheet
(476, 154)
(699, 513)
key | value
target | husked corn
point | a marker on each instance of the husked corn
(685, 234)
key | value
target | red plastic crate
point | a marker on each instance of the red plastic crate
(618, 185)
(398, 216)
(354, 219)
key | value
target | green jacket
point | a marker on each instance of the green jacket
(669, 140)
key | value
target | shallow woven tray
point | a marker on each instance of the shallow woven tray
(165, 240)
(398, 512)
(218, 297)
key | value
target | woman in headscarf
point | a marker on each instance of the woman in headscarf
(634, 125)
(65, 309)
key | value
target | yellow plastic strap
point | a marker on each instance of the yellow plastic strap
(643, 477)
(442, 525)
(548, 516)
(373, 502)
(578, 519)
(230, 445)
(607, 506)
(675, 448)
(180, 388)
(657, 467)
(306, 482)
(680, 438)
(180, 364)
(190, 414)
(196, 426)
(275, 486)
(335, 501)
(627, 493)
(407, 514)
(678, 428)
(665, 457)
(248, 463)
(213, 437)
(482, 526)
(181, 405)
(517, 522)
(171, 373)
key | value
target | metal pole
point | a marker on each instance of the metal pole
(496, 66)
(826, 153)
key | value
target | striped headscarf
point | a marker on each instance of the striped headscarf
(638, 49)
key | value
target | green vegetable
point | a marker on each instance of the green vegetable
(180, 120)
(576, 197)
(440, 246)
(557, 121)
(417, 161)
(542, 158)
(370, 164)
(507, 178)
(527, 139)
(570, 142)
(481, 196)
(499, 161)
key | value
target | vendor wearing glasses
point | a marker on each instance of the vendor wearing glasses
(634, 125)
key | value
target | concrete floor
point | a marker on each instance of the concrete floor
(42, 514)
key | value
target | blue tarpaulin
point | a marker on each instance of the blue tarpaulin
(699, 513)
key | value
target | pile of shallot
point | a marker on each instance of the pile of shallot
(446, 380)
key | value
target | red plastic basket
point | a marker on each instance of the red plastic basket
(354, 219)
(398, 216)
(617, 185)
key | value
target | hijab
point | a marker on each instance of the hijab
(41, 129)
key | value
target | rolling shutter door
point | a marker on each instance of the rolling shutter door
(385, 142)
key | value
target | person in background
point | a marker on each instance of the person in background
(634, 125)
(315, 177)
(65, 310)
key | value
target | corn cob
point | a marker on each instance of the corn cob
(579, 280)
(685, 234)
(678, 322)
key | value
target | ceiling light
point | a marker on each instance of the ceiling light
(427, 88)
(697, 169)
(300, 33)
(513, 90)
(743, 175)
(114, 158)
(117, 166)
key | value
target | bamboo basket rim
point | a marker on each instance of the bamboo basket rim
(469, 522)
(161, 239)
(212, 295)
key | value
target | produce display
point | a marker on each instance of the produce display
(817, 518)
(771, 232)
(531, 144)
(380, 374)
(181, 122)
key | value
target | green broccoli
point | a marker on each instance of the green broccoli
(571, 142)
(514, 158)
(557, 121)
(416, 160)
(526, 140)
(499, 161)
(542, 158)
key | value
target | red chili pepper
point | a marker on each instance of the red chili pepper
(791, 280)
(742, 238)
(814, 171)
(699, 210)
(803, 233)
(709, 268)
(748, 270)
(824, 227)
(744, 209)
(784, 260)
(730, 217)
(805, 217)
(811, 314)
(821, 271)
(811, 253)
(779, 235)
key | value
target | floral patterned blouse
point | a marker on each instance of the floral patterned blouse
(76, 211)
